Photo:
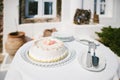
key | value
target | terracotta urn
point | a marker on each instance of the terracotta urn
(14, 41)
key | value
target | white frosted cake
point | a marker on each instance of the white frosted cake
(47, 50)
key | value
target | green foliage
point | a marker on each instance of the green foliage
(110, 37)
(1, 7)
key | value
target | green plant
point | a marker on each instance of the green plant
(1, 7)
(110, 37)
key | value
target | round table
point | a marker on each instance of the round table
(22, 70)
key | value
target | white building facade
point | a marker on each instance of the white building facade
(68, 8)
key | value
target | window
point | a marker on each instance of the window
(48, 8)
(102, 7)
(105, 8)
(40, 8)
(32, 8)
(37, 11)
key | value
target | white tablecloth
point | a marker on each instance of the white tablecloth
(22, 70)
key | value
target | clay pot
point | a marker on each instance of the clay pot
(95, 18)
(14, 41)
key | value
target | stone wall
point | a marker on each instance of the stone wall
(1, 16)
(1, 24)
(1, 32)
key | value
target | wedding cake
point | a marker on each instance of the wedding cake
(48, 50)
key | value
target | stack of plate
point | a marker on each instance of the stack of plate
(63, 36)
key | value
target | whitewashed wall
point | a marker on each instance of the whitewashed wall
(114, 21)
(68, 10)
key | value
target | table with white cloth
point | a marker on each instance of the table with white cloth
(73, 70)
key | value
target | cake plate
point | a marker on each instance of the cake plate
(25, 57)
